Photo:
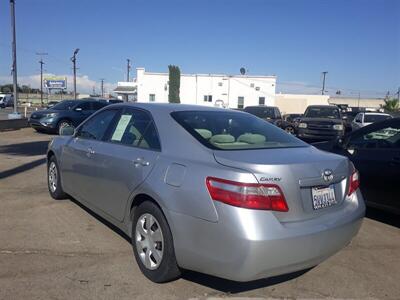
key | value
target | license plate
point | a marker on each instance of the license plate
(323, 197)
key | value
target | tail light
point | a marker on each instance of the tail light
(247, 195)
(354, 182)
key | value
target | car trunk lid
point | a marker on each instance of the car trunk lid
(296, 171)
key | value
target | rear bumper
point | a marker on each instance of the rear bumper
(246, 245)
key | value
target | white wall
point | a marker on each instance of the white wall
(195, 86)
(297, 103)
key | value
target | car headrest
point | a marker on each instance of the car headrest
(205, 133)
(251, 138)
(222, 138)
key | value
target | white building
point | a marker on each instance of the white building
(233, 91)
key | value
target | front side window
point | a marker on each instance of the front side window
(234, 131)
(85, 106)
(65, 105)
(372, 118)
(135, 128)
(322, 112)
(98, 105)
(96, 127)
(388, 137)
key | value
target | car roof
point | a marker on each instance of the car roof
(375, 113)
(169, 107)
(333, 106)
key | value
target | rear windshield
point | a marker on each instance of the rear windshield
(261, 112)
(65, 105)
(234, 131)
(375, 118)
(322, 112)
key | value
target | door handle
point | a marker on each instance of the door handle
(90, 152)
(140, 162)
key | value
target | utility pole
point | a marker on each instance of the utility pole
(73, 59)
(128, 68)
(323, 82)
(398, 94)
(41, 62)
(15, 114)
(102, 87)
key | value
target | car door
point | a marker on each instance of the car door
(375, 152)
(79, 155)
(357, 122)
(82, 111)
(123, 161)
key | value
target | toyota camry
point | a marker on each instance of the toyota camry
(208, 189)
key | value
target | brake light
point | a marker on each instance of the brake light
(247, 195)
(354, 182)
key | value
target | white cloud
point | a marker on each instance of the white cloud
(83, 83)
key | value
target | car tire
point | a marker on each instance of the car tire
(153, 245)
(54, 180)
(63, 123)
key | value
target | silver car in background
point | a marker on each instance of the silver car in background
(212, 190)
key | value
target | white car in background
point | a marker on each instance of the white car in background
(365, 118)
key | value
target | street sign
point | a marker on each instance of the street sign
(55, 82)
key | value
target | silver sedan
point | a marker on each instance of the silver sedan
(212, 190)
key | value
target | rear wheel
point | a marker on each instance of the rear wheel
(153, 244)
(53, 180)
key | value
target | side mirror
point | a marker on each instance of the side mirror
(78, 109)
(67, 130)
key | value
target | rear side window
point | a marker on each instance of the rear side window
(370, 118)
(261, 112)
(229, 130)
(135, 128)
(96, 127)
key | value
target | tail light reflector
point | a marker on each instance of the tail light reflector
(354, 182)
(247, 195)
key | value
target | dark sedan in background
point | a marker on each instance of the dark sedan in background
(375, 152)
(321, 123)
(67, 112)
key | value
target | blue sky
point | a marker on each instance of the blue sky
(356, 41)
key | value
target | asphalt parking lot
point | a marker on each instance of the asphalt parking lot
(60, 250)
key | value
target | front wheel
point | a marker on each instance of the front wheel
(63, 123)
(289, 129)
(153, 244)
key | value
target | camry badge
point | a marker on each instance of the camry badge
(327, 175)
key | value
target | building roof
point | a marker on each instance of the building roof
(125, 89)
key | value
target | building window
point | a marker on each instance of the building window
(219, 83)
(261, 100)
(252, 85)
(240, 102)
(257, 88)
(207, 98)
(152, 97)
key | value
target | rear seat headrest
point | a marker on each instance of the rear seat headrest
(222, 138)
(251, 138)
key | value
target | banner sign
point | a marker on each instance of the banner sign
(55, 82)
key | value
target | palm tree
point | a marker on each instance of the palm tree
(391, 105)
